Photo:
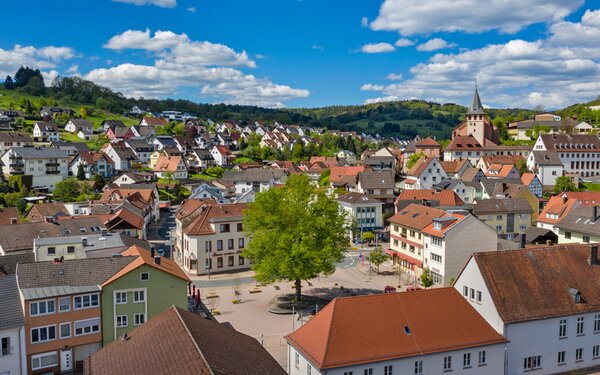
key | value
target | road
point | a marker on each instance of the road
(159, 234)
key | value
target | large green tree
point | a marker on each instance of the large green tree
(67, 190)
(297, 232)
(564, 183)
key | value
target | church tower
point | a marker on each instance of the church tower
(476, 120)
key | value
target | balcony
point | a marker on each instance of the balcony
(52, 171)
(52, 164)
(15, 157)
(16, 173)
(16, 165)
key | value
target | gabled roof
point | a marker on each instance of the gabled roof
(223, 150)
(416, 216)
(453, 167)
(527, 178)
(449, 221)
(377, 179)
(202, 223)
(580, 219)
(427, 142)
(155, 121)
(11, 313)
(15, 137)
(533, 283)
(589, 198)
(337, 174)
(48, 127)
(179, 342)
(437, 320)
(463, 143)
(143, 257)
(249, 175)
(39, 152)
(501, 205)
(166, 163)
(420, 166)
(446, 198)
(470, 173)
(571, 142)
(358, 198)
(81, 123)
(548, 158)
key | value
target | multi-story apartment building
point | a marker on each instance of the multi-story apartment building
(544, 300)
(363, 214)
(507, 216)
(449, 242)
(10, 139)
(210, 237)
(407, 238)
(47, 166)
(61, 303)
(423, 332)
(141, 148)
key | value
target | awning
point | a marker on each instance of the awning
(405, 257)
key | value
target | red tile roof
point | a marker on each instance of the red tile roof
(365, 329)
(416, 216)
(166, 163)
(155, 121)
(453, 167)
(427, 142)
(556, 206)
(339, 173)
(463, 143)
(527, 178)
(201, 224)
(588, 198)
(446, 198)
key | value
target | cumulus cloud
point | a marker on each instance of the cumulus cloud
(182, 63)
(404, 42)
(43, 58)
(434, 45)
(409, 17)
(158, 3)
(179, 48)
(377, 48)
(394, 77)
(554, 71)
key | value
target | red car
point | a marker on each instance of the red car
(389, 289)
(413, 288)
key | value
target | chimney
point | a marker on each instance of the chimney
(594, 214)
(504, 186)
(49, 219)
(157, 259)
(548, 242)
(565, 199)
(593, 261)
(522, 241)
(152, 251)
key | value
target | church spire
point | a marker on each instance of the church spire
(476, 108)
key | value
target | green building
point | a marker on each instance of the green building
(140, 291)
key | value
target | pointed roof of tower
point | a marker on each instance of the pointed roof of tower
(476, 108)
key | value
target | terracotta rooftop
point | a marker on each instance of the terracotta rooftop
(155, 121)
(463, 143)
(557, 206)
(453, 167)
(427, 142)
(179, 342)
(527, 178)
(420, 166)
(339, 173)
(446, 198)
(166, 163)
(533, 283)
(438, 320)
(588, 198)
(201, 224)
(416, 216)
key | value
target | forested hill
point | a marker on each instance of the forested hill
(403, 119)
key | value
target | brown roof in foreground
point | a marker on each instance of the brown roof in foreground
(439, 320)
(533, 283)
(446, 198)
(416, 216)
(7, 214)
(182, 343)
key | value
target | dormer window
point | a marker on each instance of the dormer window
(437, 225)
(575, 294)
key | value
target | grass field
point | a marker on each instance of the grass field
(589, 186)
(200, 176)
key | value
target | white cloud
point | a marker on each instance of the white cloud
(73, 69)
(382, 99)
(158, 3)
(377, 48)
(372, 87)
(394, 77)
(404, 42)
(317, 47)
(181, 63)
(192, 9)
(434, 45)
(179, 48)
(556, 71)
(410, 17)
(43, 58)
(364, 22)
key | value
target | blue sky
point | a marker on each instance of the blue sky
(313, 52)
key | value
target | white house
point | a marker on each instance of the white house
(426, 173)
(578, 153)
(364, 213)
(544, 300)
(47, 166)
(256, 179)
(12, 328)
(546, 165)
(221, 154)
(123, 156)
(46, 131)
(170, 166)
(93, 163)
(74, 125)
(422, 332)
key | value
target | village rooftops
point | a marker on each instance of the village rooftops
(357, 198)
(581, 219)
(416, 216)
(249, 175)
(502, 205)
(211, 213)
(179, 342)
(39, 152)
(391, 326)
(446, 198)
(537, 282)
(11, 313)
(15, 137)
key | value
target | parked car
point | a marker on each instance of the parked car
(412, 288)
(389, 289)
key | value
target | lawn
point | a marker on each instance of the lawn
(588, 186)
(65, 136)
(200, 176)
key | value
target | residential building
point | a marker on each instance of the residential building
(222, 155)
(379, 185)
(406, 236)
(506, 171)
(46, 131)
(162, 142)
(200, 158)
(195, 346)
(428, 147)
(93, 162)
(579, 225)
(46, 211)
(465, 190)
(10, 139)
(111, 124)
(546, 165)
(507, 216)
(348, 156)
(206, 190)
(578, 153)
(74, 125)
(533, 183)
(251, 179)
(449, 242)
(454, 169)
(61, 303)
(426, 173)
(123, 156)
(209, 238)
(141, 148)
(140, 291)
(518, 191)
(153, 121)
(119, 133)
(363, 213)
(12, 328)
(442, 199)
(555, 210)
(545, 302)
(422, 332)
(97, 244)
(170, 166)
(46, 166)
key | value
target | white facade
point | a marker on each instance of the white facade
(12, 354)
(540, 339)
(46, 171)
(430, 176)
(465, 361)
(220, 158)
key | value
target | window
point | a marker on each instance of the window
(44, 360)
(51, 251)
(230, 260)
(348, 372)
(121, 320)
(578, 354)
(436, 241)
(498, 227)
(467, 360)
(241, 260)
(586, 238)
(595, 351)
(436, 258)
(220, 262)
(479, 296)
(387, 370)
(580, 325)
(85, 301)
(596, 323)
(42, 334)
(139, 319)
(562, 328)
(230, 244)
(5, 346)
(308, 369)
(219, 245)
(498, 217)
(65, 330)
(561, 358)
(240, 227)
(532, 363)
(567, 235)
(466, 291)
(41, 307)
(368, 371)
(144, 276)
(418, 367)
(85, 327)
(482, 358)
(223, 228)
(208, 246)
(241, 243)
(447, 363)
(70, 249)
(139, 296)
(472, 293)
(64, 304)
(296, 359)
(120, 298)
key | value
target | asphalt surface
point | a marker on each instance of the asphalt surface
(159, 233)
